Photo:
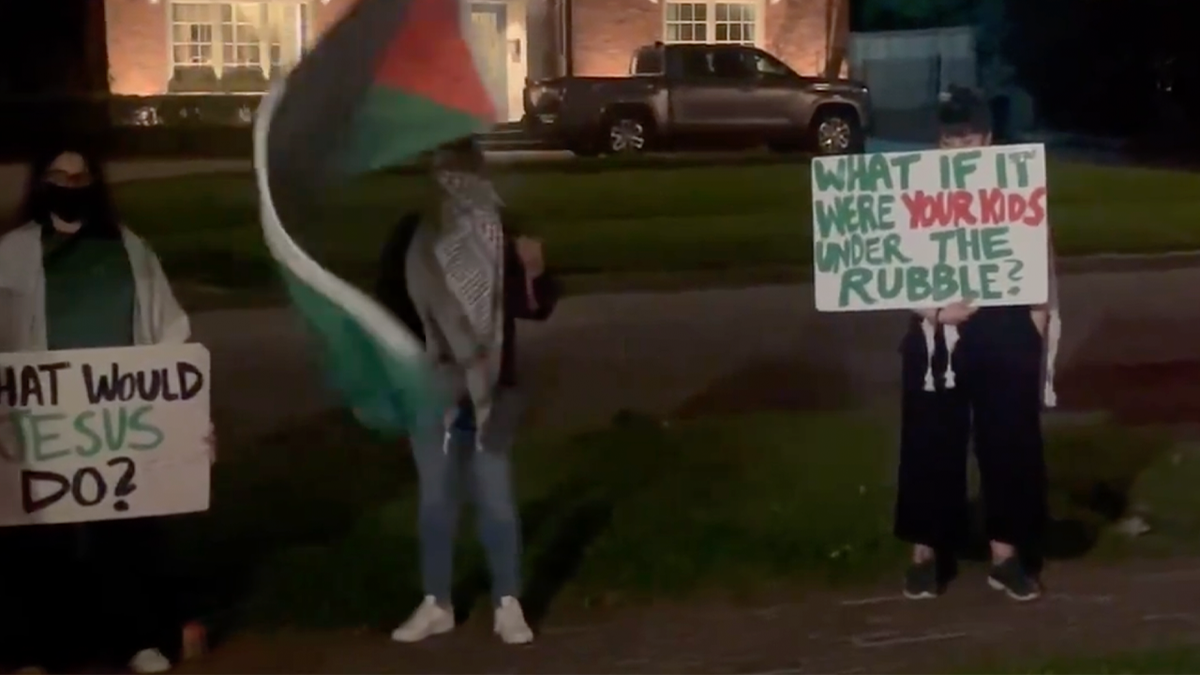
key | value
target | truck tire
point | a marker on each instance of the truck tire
(836, 130)
(625, 133)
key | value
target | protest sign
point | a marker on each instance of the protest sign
(925, 229)
(100, 434)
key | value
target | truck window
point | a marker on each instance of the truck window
(731, 64)
(689, 63)
(647, 61)
(764, 64)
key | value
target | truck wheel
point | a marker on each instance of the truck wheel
(836, 131)
(626, 134)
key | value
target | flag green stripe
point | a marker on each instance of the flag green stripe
(376, 144)
(388, 392)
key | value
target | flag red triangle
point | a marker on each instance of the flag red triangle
(429, 57)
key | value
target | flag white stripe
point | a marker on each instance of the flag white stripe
(370, 315)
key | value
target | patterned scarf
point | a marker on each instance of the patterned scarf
(470, 251)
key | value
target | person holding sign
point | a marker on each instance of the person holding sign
(457, 279)
(72, 277)
(974, 372)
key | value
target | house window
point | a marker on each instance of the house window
(235, 46)
(711, 22)
(191, 35)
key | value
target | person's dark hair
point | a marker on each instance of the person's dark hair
(464, 154)
(963, 111)
(99, 220)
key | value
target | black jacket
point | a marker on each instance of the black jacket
(392, 291)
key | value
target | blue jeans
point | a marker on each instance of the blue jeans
(444, 460)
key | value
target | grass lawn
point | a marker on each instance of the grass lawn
(315, 527)
(725, 221)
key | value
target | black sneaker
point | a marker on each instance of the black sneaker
(921, 581)
(1010, 577)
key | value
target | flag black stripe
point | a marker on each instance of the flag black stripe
(313, 120)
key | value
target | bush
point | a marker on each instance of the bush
(231, 110)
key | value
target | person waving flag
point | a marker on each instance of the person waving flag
(390, 81)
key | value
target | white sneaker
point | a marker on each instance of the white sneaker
(429, 618)
(510, 623)
(149, 661)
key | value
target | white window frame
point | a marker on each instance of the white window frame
(711, 23)
(221, 29)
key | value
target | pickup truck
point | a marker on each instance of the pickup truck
(690, 96)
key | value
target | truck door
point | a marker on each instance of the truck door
(701, 97)
(776, 98)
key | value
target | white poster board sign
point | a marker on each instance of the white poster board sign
(911, 230)
(101, 434)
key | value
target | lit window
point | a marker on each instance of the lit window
(711, 22)
(265, 37)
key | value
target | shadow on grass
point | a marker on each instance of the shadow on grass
(1091, 470)
(315, 527)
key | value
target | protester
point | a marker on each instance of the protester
(981, 376)
(72, 277)
(458, 280)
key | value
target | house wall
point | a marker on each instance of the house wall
(605, 32)
(137, 36)
(138, 61)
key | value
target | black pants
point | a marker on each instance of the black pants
(84, 595)
(996, 403)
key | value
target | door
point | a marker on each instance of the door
(775, 105)
(714, 96)
(699, 97)
(488, 23)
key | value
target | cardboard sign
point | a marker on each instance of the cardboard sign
(100, 434)
(925, 229)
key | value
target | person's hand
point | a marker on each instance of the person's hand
(956, 313)
(210, 442)
(529, 250)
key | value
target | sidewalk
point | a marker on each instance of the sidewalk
(1088, 610)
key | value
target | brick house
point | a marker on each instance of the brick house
(213, 46)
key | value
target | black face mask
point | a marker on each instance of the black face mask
(71, 204)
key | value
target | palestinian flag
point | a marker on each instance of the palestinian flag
(392, 79)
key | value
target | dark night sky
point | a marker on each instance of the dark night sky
(46, 46)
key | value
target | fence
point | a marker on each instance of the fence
(905, 70)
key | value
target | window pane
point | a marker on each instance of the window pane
(685, 32)
(672, 33)
(701, 12)
(722, 11)
(735, 33)
(722, 32)
(685, 12)
(701, 33)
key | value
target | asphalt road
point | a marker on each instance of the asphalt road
(664, 353)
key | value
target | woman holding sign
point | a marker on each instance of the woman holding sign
(72, 277)
(976, 373)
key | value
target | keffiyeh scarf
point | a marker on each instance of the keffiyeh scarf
(470, 251)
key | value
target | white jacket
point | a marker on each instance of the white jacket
(157, 316)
